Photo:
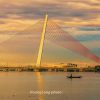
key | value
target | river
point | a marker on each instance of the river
(36, 86)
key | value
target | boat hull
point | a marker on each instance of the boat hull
(74, 76)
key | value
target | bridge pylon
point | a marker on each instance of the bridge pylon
(40, 52)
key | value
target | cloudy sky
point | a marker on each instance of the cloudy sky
(81, 18)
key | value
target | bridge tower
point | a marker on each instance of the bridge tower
(40, 52)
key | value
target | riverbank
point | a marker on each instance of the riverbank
(48, 69)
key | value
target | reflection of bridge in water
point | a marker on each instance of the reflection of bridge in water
(52, 32)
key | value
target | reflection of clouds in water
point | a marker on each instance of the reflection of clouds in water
(41, 84)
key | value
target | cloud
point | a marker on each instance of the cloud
(19, 15)
(61, 9)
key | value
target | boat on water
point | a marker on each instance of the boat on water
(74, 76)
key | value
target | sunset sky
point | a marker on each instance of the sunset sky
(80, 18)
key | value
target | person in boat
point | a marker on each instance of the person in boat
(71, 75)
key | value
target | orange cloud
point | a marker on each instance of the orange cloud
(17, 15)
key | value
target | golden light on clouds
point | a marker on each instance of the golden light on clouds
(15, 24)
(18, 15)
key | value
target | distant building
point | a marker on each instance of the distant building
(72, 68)
(72, 65)
(97, 68)
(88, 69)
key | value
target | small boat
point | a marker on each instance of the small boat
(71, 76)
(74, 76)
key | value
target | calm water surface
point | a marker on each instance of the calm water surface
(17, 86)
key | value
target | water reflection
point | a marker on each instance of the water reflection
(41, 84)
(17, 86)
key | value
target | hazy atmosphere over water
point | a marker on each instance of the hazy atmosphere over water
(81, 18)
(17, 86)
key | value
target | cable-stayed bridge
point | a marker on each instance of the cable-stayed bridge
(47, 30)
